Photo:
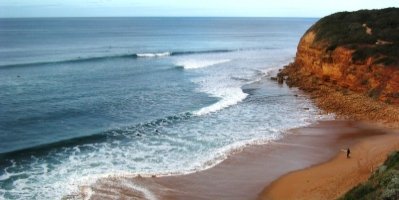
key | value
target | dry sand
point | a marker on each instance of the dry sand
(332, 179)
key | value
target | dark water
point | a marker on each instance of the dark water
(82, 97)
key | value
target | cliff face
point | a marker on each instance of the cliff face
(337, 66)
(322, 54)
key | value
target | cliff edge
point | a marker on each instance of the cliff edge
(349, 63)
(354, 50)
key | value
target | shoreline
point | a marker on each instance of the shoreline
(346, 104)
(244, 175)
(254, 171)
(332, 179)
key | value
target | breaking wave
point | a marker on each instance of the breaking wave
(150, 55)
(195, 64)
(229, 97)
(105, 57)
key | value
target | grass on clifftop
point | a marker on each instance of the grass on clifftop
(383, 184)
(349, 29)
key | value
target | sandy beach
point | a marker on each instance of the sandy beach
(196, 100)
(245, 174)
(306, 163)
(334, 178)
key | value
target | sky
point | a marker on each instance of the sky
(201, 8)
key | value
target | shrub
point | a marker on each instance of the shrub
(390, 194)
(393, 160)
(346, 29)
(359, 192)
(383, 184)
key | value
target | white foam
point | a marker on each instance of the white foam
(223, 153)
(109, 161)
(197, 63)
(7, 175)
(272, 71)
(124, 179)
(216, 82)
(229, 97)
(147, 193)
(88, 192)
(208, 140)
(149, 55)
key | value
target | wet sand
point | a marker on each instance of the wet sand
(245, 174)
(334, 178)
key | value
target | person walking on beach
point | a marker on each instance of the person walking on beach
(348, 152)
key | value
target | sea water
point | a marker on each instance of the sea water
(81, 98)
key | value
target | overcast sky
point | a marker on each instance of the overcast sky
(255, 8)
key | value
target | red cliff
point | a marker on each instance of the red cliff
(330, 50)
(337, 66)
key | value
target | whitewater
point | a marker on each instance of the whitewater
(138, 97)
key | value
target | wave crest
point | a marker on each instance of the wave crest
(230, 96)
(150, 55)
(108, 135)
(114, 56)
(195, 64)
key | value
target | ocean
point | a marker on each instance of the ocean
(84, 98)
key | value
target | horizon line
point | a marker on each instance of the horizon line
(158, 17)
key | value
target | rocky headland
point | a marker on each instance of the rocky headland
(349, 64)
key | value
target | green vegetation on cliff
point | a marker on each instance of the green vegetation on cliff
(383, 184)
(371, 33)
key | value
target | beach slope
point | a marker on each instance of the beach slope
(332, 179)
(349, 65)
